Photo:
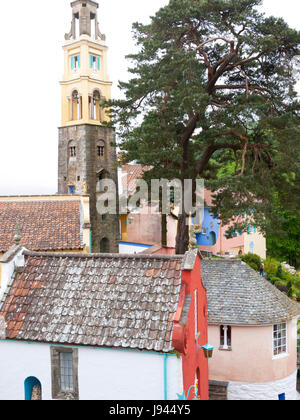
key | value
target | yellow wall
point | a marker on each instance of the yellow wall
(84, 79)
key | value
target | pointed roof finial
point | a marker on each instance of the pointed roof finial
(17, 237)
(193, 240)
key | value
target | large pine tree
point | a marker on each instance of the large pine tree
(213, 86)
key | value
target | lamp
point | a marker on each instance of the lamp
(208, 350)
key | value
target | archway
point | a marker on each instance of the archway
(33, 389)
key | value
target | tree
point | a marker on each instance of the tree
(213, 84)
(284, 241)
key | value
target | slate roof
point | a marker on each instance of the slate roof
(124, 301)
(238, 295)
(44, 225)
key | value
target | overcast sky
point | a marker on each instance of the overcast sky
(31, 66)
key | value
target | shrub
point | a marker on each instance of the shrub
(252, 260)
(279, 271)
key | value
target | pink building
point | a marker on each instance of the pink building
(253, 327)
(142, 227)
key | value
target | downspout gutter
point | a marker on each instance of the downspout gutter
(165, 377)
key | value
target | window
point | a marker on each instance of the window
(73, 151)
(94, 62)
(75, 62)
(66, 380)
(100, 151)
(64, 369)
(225, 337)
(279, 339)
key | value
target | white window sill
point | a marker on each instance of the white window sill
(221, 348)
(280, 356)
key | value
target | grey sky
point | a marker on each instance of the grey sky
(31, 66)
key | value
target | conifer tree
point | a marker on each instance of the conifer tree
(213, 89)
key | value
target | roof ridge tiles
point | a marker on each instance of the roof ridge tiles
(104, 256)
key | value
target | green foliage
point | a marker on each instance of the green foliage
(279, 271)
(284, 237)
(212, 95)
(277, 276)
(253, 260)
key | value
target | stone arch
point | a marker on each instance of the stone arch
(104, 246)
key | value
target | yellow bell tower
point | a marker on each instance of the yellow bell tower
(86, 147)
(85, 81)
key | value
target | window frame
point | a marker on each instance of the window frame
(100, 150)
(57, 392)
(285, 352)
(227, 347)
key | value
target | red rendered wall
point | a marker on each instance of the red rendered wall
(194, 363)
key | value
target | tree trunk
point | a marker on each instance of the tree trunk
(164, 230)
(182, 238)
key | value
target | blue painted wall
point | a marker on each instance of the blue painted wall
(211, 227)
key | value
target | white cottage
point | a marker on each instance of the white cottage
(101, 327)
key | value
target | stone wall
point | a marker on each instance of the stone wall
(218, 390)
(82, 172)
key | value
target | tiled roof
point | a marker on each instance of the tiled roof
(44, 225)
(133, 172)
(238, 295)
(105, 300)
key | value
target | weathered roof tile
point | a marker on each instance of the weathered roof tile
(68, 298)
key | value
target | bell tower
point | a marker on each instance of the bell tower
(87, 152)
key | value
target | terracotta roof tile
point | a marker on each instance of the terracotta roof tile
(44, 225)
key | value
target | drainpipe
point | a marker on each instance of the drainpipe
(91, 249)
(165, 377)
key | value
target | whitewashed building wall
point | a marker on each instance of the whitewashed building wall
(103, 374)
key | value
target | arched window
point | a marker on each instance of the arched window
(95, 108)
(104, 246)
(33, 389)
(75, 106)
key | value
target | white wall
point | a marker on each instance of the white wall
(268, 391)
(7, 270)
(131, 248)
(103, 374)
